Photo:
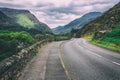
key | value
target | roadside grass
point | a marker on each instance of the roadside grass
(59, 38)
(111, 40)
(106, 45)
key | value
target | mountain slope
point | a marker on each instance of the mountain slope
(57, 29)
(3, 18)
(26, 20)
(7, 23)
(108, 21)
(105, 30)
(77, 23)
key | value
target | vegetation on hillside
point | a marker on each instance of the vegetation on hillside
(112, 37)
(12, 42)
(61, 37)
(108, 21)
(19, 29)
(76, 24)
(105, 30)
(110, 40)
(39, 37)
(23, 20)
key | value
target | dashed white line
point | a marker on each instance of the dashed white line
(116, 63)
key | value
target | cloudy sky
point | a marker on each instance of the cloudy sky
(59, 12)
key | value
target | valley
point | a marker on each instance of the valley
(85, 48)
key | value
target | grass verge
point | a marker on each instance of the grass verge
(106, 45)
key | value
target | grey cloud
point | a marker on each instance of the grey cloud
(43, 5)
(10, 5)
(56, 11)
(71, 9)
(52, 10)
(94, 3)
(89, 4)
(102, 3)
(54, 15)
(62, 10)
(9, 0)
(65, 10)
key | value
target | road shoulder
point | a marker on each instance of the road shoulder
(35, 69)
(46, 65)
(54, 67)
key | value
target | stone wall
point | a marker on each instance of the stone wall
(10, 68)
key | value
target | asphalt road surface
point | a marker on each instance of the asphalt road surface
(84, 61)
(75, 59)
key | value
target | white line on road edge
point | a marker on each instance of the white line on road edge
(116, 63)
(100, 55)
(90, 50)
(62, 62)
(96, 54)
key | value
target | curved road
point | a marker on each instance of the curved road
(85, 61)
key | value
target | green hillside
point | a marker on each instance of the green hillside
(105, 30)
(77, 23)
(26, 21)
(12, 42)
(18, 29)
(23, 20)
(108, 21)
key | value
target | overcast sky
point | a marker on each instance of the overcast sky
(59, 12)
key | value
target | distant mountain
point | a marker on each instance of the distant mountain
(25, 20)
(108, 21)
(57, 29)
(77, 23)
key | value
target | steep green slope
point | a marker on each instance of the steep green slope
(108, 21)
(26, 20)
(17, 28)
(105, 30)
(77, 23)
(7, 23)
(23, 20)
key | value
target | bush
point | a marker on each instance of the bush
(59, 38)
(9, 42)
(20, 36)
(114, 34)
(46, 36)
(112, 40)
(112, 37)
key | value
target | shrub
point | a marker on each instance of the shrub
(20, 36)
(112, 37)
(9, 42)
